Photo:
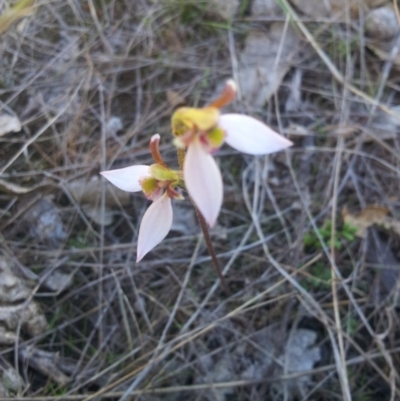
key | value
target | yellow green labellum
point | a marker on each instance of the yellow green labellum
(162, 173)
(149, 186)
(216, 137)
(187, 118)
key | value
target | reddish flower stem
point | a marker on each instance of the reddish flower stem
(206, 232)
(211, 250)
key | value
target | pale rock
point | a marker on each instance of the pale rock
(58, 281)
(88, 195)
(98, 216)
(264, 62)
(48, 363)
(184, 220)
(293, 102)
(313, 8)
(7, 337)
(382, 24)
(226, 9)
(44, 222)
(266, 8)
(12, 288)
(114, 124)
(376, 3)
(12, 381)
(320, 9)
(301, 356)
(34, 321)
(9, 124)
(384, 126)
(86, 192)
(29, 317)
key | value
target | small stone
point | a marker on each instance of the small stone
(382, 24)
(12, 288)
(114, 124)
(9, 124)
(12, 381)
(45, 223)
(314, 8)
(58, 281)
(266, 8)
(264, 62)
(225, 9)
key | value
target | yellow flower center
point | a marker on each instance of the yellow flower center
(188, 118)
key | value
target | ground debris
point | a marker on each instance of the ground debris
(184, 220)
(293, 101)
(336, 8)
(225, 9)
(370, 216)
(247, 362)
(313, 8)
(86, 192)
(44, 222)
(113, 125)
(65, 77)
(12, 383)
(58, 281)
(7, 337)
(47, 363)
(20, 9)
(9, 124)
(12, 288)
(381, 23)
(264, 62)
(385, 126)
(175, 99)
(29, 317)
(15, 309)
(14, 189)
(301, 356)
(380, 255)
(265, 8)
(88, 195)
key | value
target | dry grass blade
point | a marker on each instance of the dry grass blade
(21, 9)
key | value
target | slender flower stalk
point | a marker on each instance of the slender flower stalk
(210, 248)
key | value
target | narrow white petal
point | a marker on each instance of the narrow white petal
(155, 225)
(127, 178)
(251, 136)
(203, 181)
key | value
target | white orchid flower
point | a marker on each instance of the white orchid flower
(158, 183)
(203, 131)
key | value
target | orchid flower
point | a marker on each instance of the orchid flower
(203, 131)
(158, 183)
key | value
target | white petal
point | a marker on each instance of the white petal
(127, 178)
(251, 136)
(203, 181)
(155, 225)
